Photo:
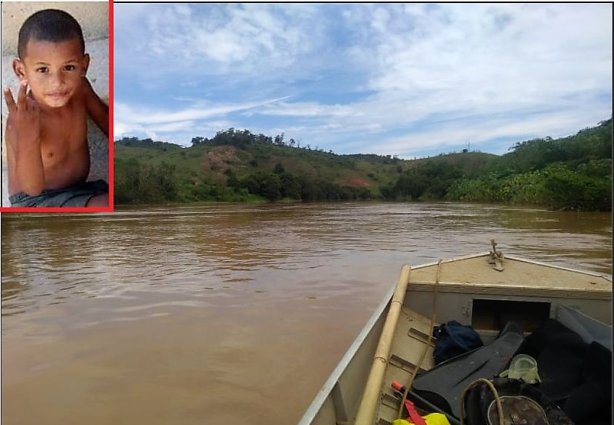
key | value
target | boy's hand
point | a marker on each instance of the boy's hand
(24, 115)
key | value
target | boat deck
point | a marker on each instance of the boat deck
(518, 276)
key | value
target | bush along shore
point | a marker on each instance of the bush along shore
(570, 173)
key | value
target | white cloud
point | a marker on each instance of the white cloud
(217, 39)
(483, 61)
(431, 74)
(306, 109)
(129, 118)
(453, 136)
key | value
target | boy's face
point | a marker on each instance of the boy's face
(54, 70)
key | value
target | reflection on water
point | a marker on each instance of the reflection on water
(209, 314)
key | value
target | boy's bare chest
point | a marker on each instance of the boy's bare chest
(63, 134)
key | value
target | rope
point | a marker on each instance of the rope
(495, 393)
(430, 340)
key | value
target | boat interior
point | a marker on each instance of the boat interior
(485, 291)
(525, 294)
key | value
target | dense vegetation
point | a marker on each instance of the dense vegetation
(574, 172)
(569, 173)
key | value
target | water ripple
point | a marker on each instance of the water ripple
(189, 252)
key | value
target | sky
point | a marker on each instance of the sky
(411, 80)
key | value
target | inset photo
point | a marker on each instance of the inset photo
(55, 107)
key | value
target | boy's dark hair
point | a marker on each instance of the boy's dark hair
(49, 25)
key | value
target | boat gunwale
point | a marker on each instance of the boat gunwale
(556, 266)
(318, 401)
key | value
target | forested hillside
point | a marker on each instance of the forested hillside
(569, 173)
(236, 165)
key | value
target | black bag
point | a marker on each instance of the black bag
(454, 339)
(575, 374)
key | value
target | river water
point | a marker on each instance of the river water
(226, 314)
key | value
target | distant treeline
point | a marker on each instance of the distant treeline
(140, 183)
(569, 173)
(245, 138)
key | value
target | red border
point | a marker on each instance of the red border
(111, 165)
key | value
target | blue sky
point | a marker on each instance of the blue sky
(410, 80)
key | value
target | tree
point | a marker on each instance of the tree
(199, 140)
(279, 139)
(279, 169)
(290, 186)
(265, 184)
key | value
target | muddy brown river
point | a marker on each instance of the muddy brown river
(225, 314)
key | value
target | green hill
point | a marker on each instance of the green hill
(237, 165)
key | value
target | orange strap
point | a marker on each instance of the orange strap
(413, 413)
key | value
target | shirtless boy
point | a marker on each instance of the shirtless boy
(46, 131)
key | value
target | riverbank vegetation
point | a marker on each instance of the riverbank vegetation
(573, 172)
